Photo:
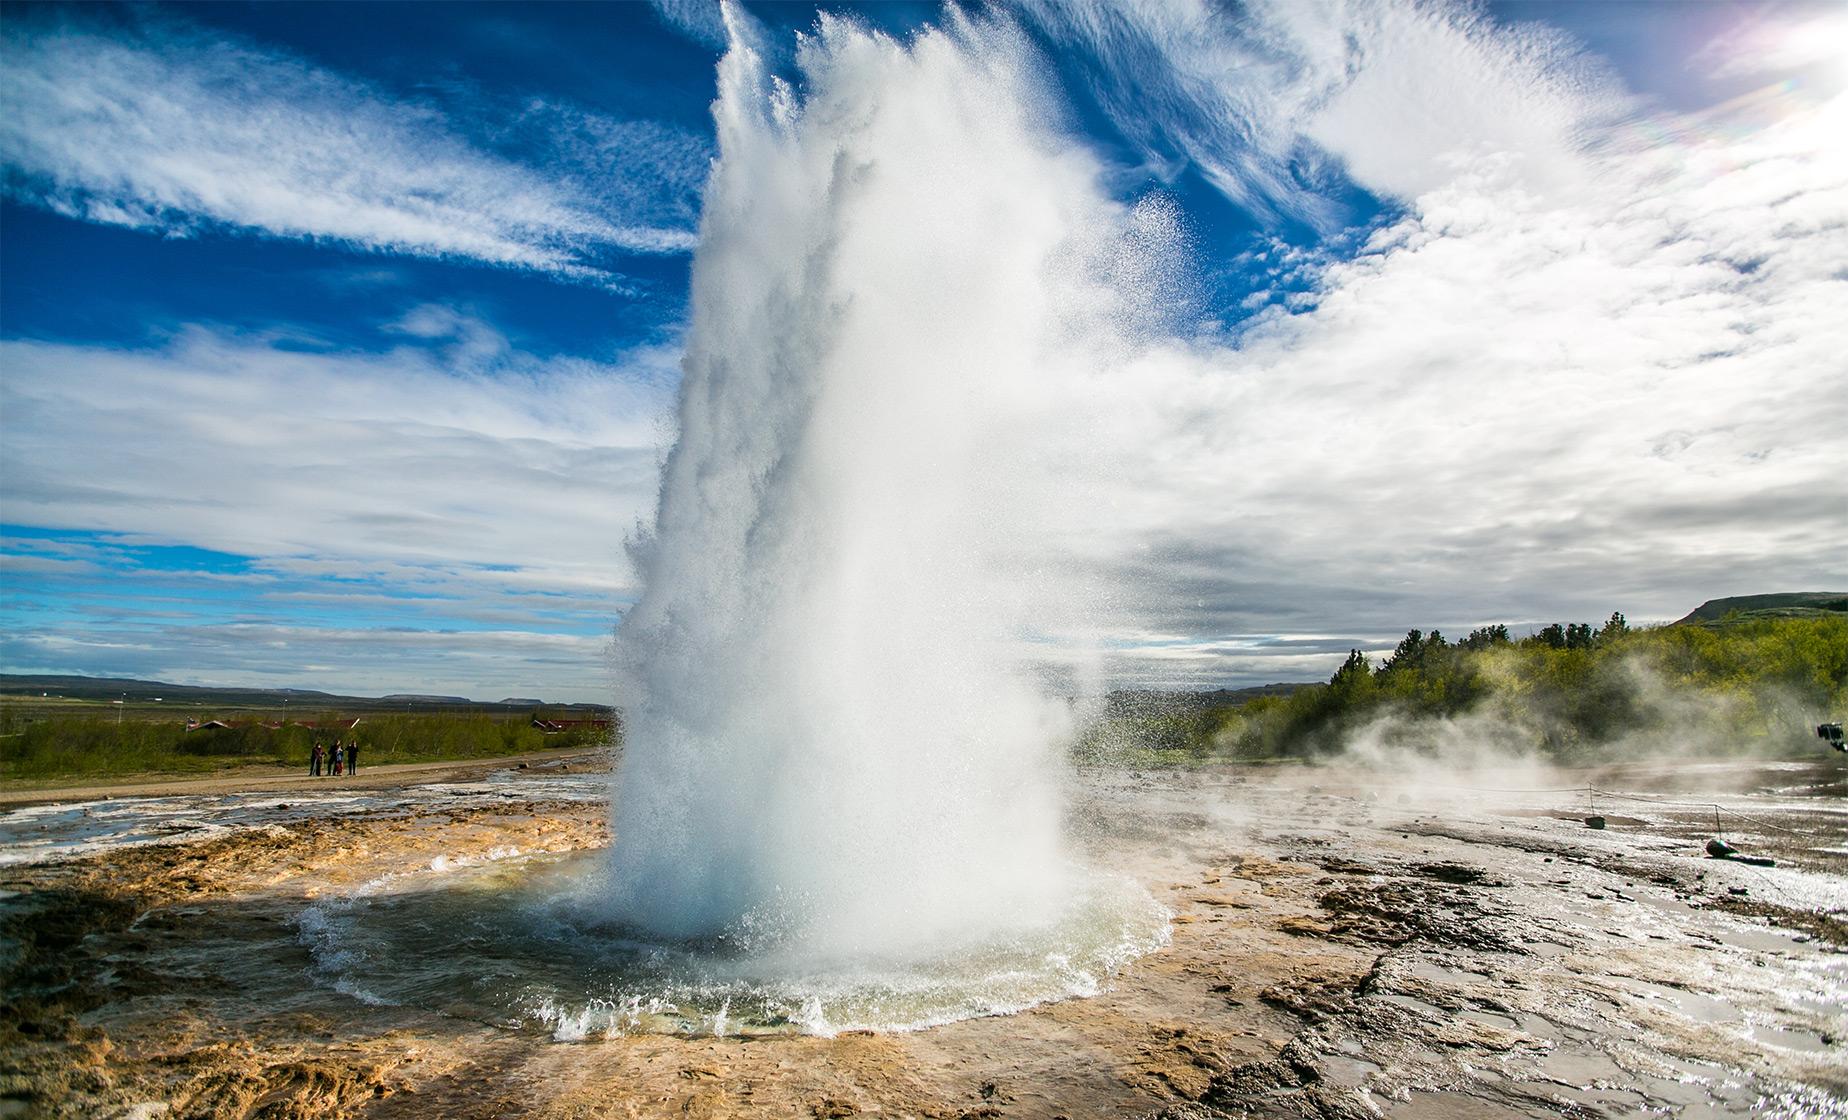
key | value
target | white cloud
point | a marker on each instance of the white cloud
(1425, 89)
(462, 453)
(1515, 407)
(168, 129)
(1774, 42)
(480, 664)
(1189, 87)
(1267, 100)
(448, 514)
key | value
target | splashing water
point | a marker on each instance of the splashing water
(832, 737)
(520, 941)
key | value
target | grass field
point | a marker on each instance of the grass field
(48, 737)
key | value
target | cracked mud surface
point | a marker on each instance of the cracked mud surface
(1334, 954)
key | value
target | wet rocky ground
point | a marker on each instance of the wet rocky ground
(1453, 948)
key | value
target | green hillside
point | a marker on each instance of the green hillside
(1787, 604)
(1745, 681)
(54, 727)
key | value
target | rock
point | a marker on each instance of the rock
(1450, 872)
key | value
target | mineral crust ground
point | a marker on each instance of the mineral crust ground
(1343, 947)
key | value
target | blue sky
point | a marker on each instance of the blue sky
(341, 340)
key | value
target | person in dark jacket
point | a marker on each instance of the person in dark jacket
(314, 759)
(353, 757)
(337, 753)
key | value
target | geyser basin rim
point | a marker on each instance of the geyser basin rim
(518, 940)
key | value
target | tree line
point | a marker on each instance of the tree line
(1569, 691)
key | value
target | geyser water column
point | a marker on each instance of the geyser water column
(838, 805)
(835, 747)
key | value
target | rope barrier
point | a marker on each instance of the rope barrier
(1714, 805)
(1592, 792)
(1595, 792)
(1766, 880)
(1481, 789)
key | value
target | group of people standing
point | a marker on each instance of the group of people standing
(334, 758)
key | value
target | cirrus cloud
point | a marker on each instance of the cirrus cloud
(161, 127)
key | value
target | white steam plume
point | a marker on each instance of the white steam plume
(833, 730)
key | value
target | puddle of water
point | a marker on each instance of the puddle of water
(1788, 1039)
(1346, 1072)
(1694, 1005)
(1426, 969)
(1756, 940)
(1417, 1006)
(1580, 1067)
(1490, 1019)
(1441, 1106)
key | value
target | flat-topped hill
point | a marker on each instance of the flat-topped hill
(1787, 604)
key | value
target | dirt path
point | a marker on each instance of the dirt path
(369, 777)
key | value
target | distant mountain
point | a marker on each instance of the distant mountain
(1788, 604)
(117, 688)
(120, 688)
(521, 702)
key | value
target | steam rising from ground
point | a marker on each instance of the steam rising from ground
(1652, 719)
(834, 738)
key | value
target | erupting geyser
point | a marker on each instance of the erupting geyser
(839, 802)
(837, 748)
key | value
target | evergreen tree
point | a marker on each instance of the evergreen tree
(1354, 667)
(1614, 627)
(1408, 654)
(1485, 637)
